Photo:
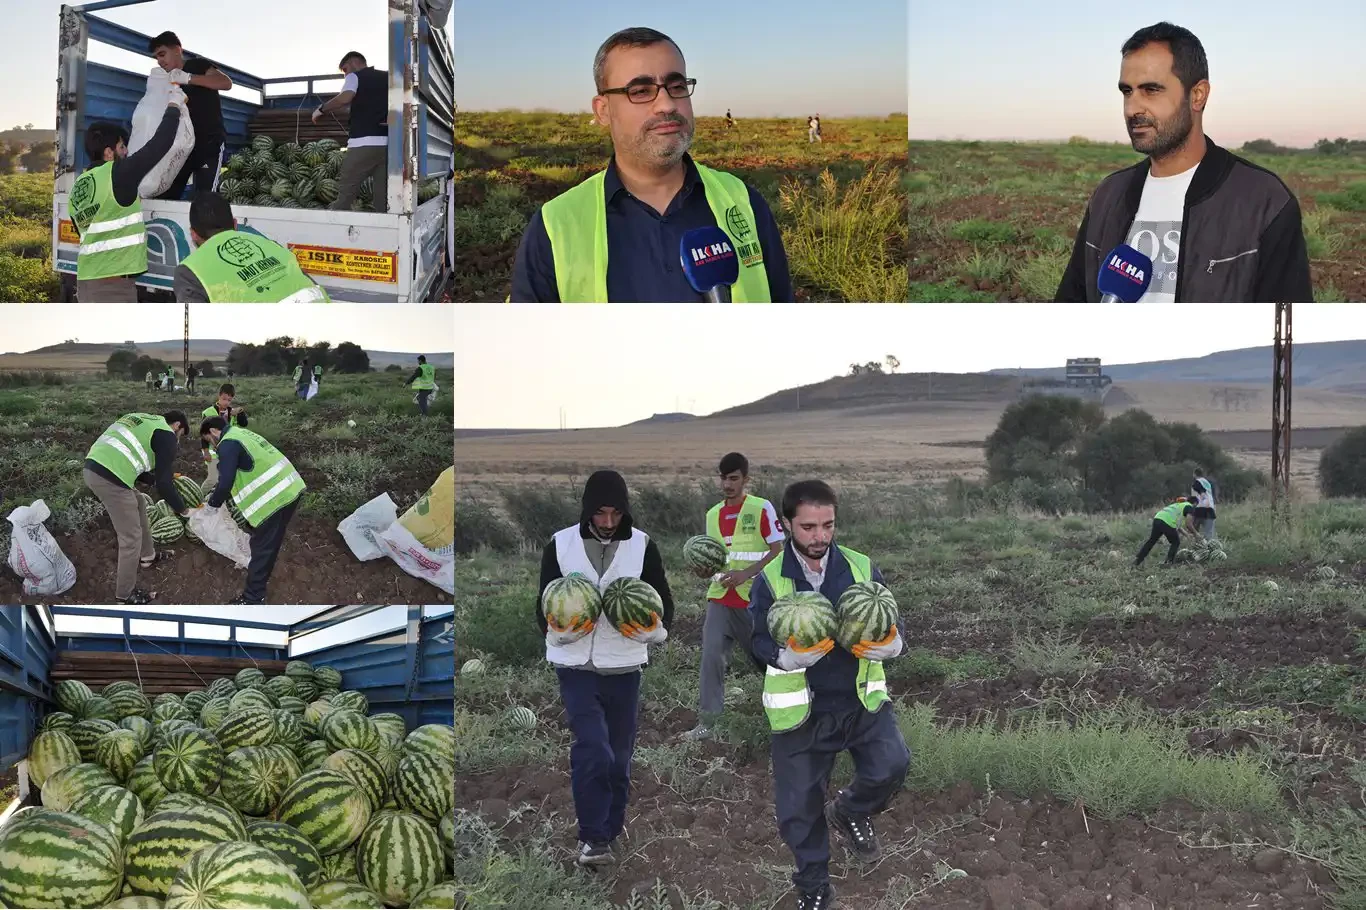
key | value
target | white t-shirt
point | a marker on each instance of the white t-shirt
(350, 85)
(1156, 231)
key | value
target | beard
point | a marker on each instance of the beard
(812, 551)
(659, 149)
(1167, 137)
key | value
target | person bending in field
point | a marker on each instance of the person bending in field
(1170, 522)
(825, 701)
(599, 674)
(221, 407)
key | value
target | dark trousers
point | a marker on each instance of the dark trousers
(266, 540)
(1160, 530)
(205, 163)
(422, 396)
(802, 761)
(601, 711)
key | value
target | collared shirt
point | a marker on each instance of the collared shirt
(642, 246)
(815, 579)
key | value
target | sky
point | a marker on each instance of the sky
(416, 327)
(258, 37)
(610, 365)
(1000, 69)
(761, 58)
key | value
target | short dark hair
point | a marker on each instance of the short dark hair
(1199, 470)
(165, 39)
(103, 135)
(212, 423)
(177, 417)
(348, 55)
(807, 492)
(627, 37)
(210, 213)
(227, 389)
(732, 462)
(1188, 55)
(421, 358)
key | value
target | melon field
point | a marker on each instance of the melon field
(1084, 733)
(46, 430)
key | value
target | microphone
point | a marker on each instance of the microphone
(1124, 275)
(710, 262)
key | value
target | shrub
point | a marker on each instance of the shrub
(1033, 431)
(1342, 466)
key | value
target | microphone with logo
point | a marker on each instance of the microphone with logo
(710, 262)
(1124, 275)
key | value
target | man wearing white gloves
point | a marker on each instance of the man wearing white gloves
(201, 82)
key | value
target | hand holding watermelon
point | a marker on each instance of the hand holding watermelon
(885, 649)
(794, 658)
(634, 607)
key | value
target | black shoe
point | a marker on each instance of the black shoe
(591, 854)
(824, 899)
(857, 831)
(242, 599)
(138, 596)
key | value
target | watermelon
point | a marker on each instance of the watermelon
(97, 707)
(130, 703)
(327, 808)
(118, 751)
(281, 189)
(214, 712)
(292, 705)
(247, 185)
(167, 529)
(247, 728)
(57, 720)
(340, 866)
(390, 726)
(71, 694)
(351, 701)
(194, 702)
(254, 778)
(135, 902)
(56, 859)
(572, 605)
(631, 604)
(387, 754)
(189, 761)
(801, 621)
(440, 896)
(51, 751)
(299, 669)
(522, 717)
(398, 857)
(64, 787)
(289, 729)
(140, 726)
(362, 769)
(237, 874)
(312, 755)
(116, 808)
(425, 784)
(157, 848)
(86, 733)
(291, 846)
(327, 677)
(867, 612)
(279, 686)
(446, 830)
(265, 199)
(304, 188)
(343, 729)
(228, 186)
(316, 711)
(145, 784)
(705, 554)
(189, 491)
(160, 510)
(345, 895)
(433, 739)
(166, 698)
(170, 710)
(121, 685)
(328, 188)
(162, 730)
(288, 152)
(252, 698)
(221, 688)
(262, 144)
(178, 802)
(314, 156)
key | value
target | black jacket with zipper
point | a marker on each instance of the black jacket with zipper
(1241, 237)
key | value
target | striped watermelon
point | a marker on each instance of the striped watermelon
(432, 739)
(159, 511)
(51, 751)
(189, 761)
(295, 706)
(221, 688)
(341, 866)
(253, 698)
(238, 874)
(194, 702)
(56, 859)
(145, 501)
(293, 768)
(440, 896)
(304, 188)
(130, 703)
(145, 784)
(631, 604)
(327, 677)
(178, 802)
(572, 605)
(57, 720)
(802, 620)
(291, 846)
(262, 144)
(142, 727)
(351, 701)
(705, 554)
(288, 152)
(867, 612)
(170, 710)
(247, 728)
(254, 778)
(134, 902)
(116, 808)
(157, 848)
(289, 729)
(305, 689)
(119, 751)
(363, 770)
(312, 755)
(390, 726)
(121, 685)
(343, 729)
(398, 857)
(214, 712)
(425, 784)
(328, 188)
(86, 733)
(522, 717)
(281, 189)
(165, 728)
(167, 529)
(248, 676)
(345, 895)
(325, 693)
(446, 831)
(71, 694)
(279, 686)
(387, 754)
(316, 711)
(189, 491)
(166, 698)
(327, 808)
(97, 707)
(313, 155)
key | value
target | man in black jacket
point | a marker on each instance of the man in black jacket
(1218, 228)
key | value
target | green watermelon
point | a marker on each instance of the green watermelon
(705, 554)
(122, 685)
(425, 784)
(160, 510)
(281, 189)
(64, 787)
(300, 170)
(194, 702)
(189, 491)
(170, 710)
(256, 727)
(342, 729)
(327, 808)
(440, 896)
(398, 857)
(291, 846)
(167, 529)
(97, 707)
(254, 778)
(235, 165)
(247, 186)
(189, 761)
(142, 727)
(157, 848)
(362, 769)
(390, 726)
(572, 605)
(316, 711)
(162, 730)
(345, 895)
(313, 155)
(56, 859)
(328, 188)
(228, 186)
(236, 875)
(288, 152)
(867, 612)
(265, 199)
(118, 751)
(146, 786)
(289, 729)
(432, 739)
(341, 866)
(327, 677)
(57, 720)
(214, 712)
(632, 605)
(166, 698)
(51, 751)
(446, 831)
(801, 621)
(134, 902)
(71, 694)
(86, 733)
(312, 755)
(262, 144)
(280, 686)
(292, 705)
(116, 808)
(522, 717)
(221, 688)
(351, 701)
(252, 698)
(130, 703)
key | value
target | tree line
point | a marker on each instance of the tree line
(274, 357)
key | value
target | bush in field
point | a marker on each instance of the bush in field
(24, 280)
(1342, 466)
(1034, 436)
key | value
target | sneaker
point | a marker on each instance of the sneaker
(824, 899)
(697, 734)
(857, 831)
(138, 596)
(591, 854)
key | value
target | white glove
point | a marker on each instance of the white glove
(176, 96)
(179, 77)
(788, 659)
(653, 634)
(886, 649)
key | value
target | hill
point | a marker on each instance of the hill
(28, 137)
(88, 356)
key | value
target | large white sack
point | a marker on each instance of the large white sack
(217, 531)
(34, 554)
(362, 528)
(147, 117)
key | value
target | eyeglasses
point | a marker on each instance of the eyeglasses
(645, 92)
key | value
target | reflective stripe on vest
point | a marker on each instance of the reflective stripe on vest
(240, 267)
(270, 485)
(576, 223)
(113, 236)
(1172, 514)
(744, 548)
(426, 377)
(125, 448)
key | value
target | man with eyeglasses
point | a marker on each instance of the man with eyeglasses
(616, 236)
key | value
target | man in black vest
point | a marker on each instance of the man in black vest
(366, 91)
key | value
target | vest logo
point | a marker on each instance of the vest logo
(1127, 269)
(255, 269)
(750, 254)
(747, 522)
(712, 252)
(239, 251)
(83, 192)
(737, 222)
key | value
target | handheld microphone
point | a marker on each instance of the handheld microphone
(710, 262)
(1125, 274)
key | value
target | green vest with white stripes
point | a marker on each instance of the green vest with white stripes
(239, 267)
(113, 236)
(745, 547)
(126, 447)
(270, 485)
(787, 699)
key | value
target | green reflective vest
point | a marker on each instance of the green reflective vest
(317, 371)
(270, 485)
(576, 223)
(426, 378)
(113, 236)
(126, 447)
(787, 699)
(744, 548)
(238, 267)
(1173, 514)
(298, 371)
(211, 411)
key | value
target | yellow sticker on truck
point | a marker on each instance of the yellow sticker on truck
(66, 232)
(363, 265)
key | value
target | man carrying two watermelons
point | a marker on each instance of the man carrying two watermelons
(824, 689)
(603, 598)
(748, 531)
(133, 446)
(221, 407)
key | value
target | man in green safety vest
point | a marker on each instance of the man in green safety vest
(424, 382)
(617, 235)
(824, 701)
(232, 266)
(318, 374)
(168, 384)
(221, 407)
(1171, 521)
(266, 489)
(749, 528)
(133, 447)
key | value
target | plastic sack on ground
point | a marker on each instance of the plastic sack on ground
(146, 118)
(34, 554)
(217, 531)
(422, 542)
(362, 528)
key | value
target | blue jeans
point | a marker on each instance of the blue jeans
(601, 712)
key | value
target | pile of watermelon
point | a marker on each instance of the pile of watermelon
(166, 525)
(251, 792)
(288, 175)
(803, 620)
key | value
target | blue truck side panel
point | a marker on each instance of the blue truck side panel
(27, 652)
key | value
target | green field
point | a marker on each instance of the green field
(839, 203)
(996, 220)
(26, 239)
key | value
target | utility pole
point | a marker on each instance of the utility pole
(186, 367)
(1280, 411)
